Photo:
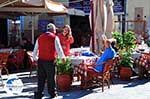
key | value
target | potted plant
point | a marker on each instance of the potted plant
(64, 74)
(125, 44)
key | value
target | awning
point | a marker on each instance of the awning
(73, 11)
(55, 6)
(32, 6)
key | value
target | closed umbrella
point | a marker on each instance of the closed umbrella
(110, 16)
(99, 20)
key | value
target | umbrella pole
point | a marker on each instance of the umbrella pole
(92, 21)
(32, 17)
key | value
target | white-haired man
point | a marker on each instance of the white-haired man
(47, 47)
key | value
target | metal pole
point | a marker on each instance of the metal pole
(124, 18)
(32, 18)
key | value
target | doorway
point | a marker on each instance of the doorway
(139, 27)
(138, 13)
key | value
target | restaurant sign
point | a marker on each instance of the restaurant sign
(119, 6)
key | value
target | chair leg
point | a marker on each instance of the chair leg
(108, 83)
(78, 77)
(111, 81)
(30, 71)
(17, 67)
(1, 76)
(103, 86)
(6, 70)
(111, 78)
(83, 82)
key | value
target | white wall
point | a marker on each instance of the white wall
(132, 4)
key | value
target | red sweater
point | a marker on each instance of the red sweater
(65, 42)
(46, 43)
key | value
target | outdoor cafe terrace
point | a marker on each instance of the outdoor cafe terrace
(80, 87)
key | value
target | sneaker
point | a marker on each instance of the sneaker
(53, 95)
(38, 96)
(58, 97)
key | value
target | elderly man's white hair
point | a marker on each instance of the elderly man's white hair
(51, 27)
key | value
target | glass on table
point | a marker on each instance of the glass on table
(77, 53)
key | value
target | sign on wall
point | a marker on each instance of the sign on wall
(59, 21)
(82, 5)
(86, 6)
(42, 24)
(118, 6)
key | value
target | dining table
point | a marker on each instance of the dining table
(10, 50)
(80, 64)
(141, 57)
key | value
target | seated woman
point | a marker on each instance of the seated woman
(108, 54)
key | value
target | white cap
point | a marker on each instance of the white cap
(51, 26)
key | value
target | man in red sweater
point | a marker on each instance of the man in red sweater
(46, 48)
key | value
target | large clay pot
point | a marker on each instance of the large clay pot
(125, 73)
(63, 82)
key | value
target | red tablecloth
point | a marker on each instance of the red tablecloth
(145, 61)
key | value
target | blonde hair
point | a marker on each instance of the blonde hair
(69, 29)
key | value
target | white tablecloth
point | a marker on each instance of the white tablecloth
(76, 60)
(10, 50)
(139, 50)
(81, 49)
(136, 55)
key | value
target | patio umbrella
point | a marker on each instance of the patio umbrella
(98, 20)
(51, 5)
(110, 16)
(55, 7)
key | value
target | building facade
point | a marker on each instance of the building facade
(139, 9)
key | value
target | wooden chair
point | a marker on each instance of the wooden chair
(17, 58)
(32, 63)
(98, 78)
(3, 63)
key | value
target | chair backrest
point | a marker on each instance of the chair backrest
(31, 60)
(108, 65)
(3, 58)
(111, 63)
(19, 56)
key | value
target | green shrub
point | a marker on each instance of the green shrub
(64, 66)
(126, 45)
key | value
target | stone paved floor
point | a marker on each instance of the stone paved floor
(134, 89)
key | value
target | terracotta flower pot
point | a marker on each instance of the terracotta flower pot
(63, 82)
(125, 73)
